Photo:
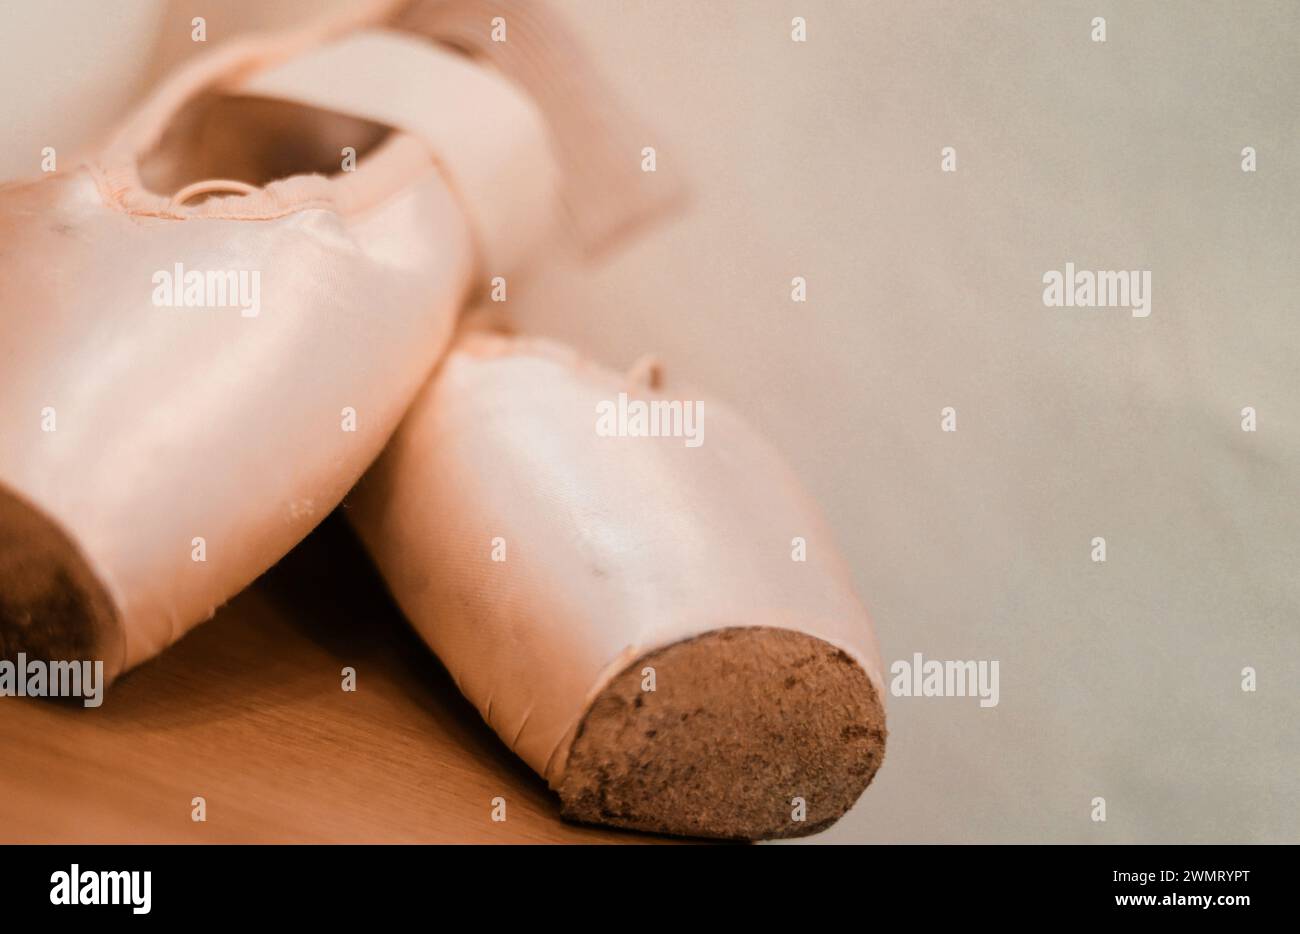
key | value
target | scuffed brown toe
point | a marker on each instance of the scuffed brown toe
(743, 722)
(52, 607)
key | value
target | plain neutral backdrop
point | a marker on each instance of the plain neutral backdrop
(822, 159)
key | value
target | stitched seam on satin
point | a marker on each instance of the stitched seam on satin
(111, 197)
(115, 184)
(604, 198)
(113, 194)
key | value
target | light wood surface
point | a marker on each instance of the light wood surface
(248, 712)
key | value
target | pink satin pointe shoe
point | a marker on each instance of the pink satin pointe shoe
(212, 326)
(633, 590)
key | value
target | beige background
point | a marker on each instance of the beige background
(822, 159)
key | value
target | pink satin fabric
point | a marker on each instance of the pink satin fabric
(181, 424)
(177, 423)
(613, 546)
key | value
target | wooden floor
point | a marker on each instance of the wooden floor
(247, 712)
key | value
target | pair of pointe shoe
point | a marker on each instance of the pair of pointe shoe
(624, 611)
